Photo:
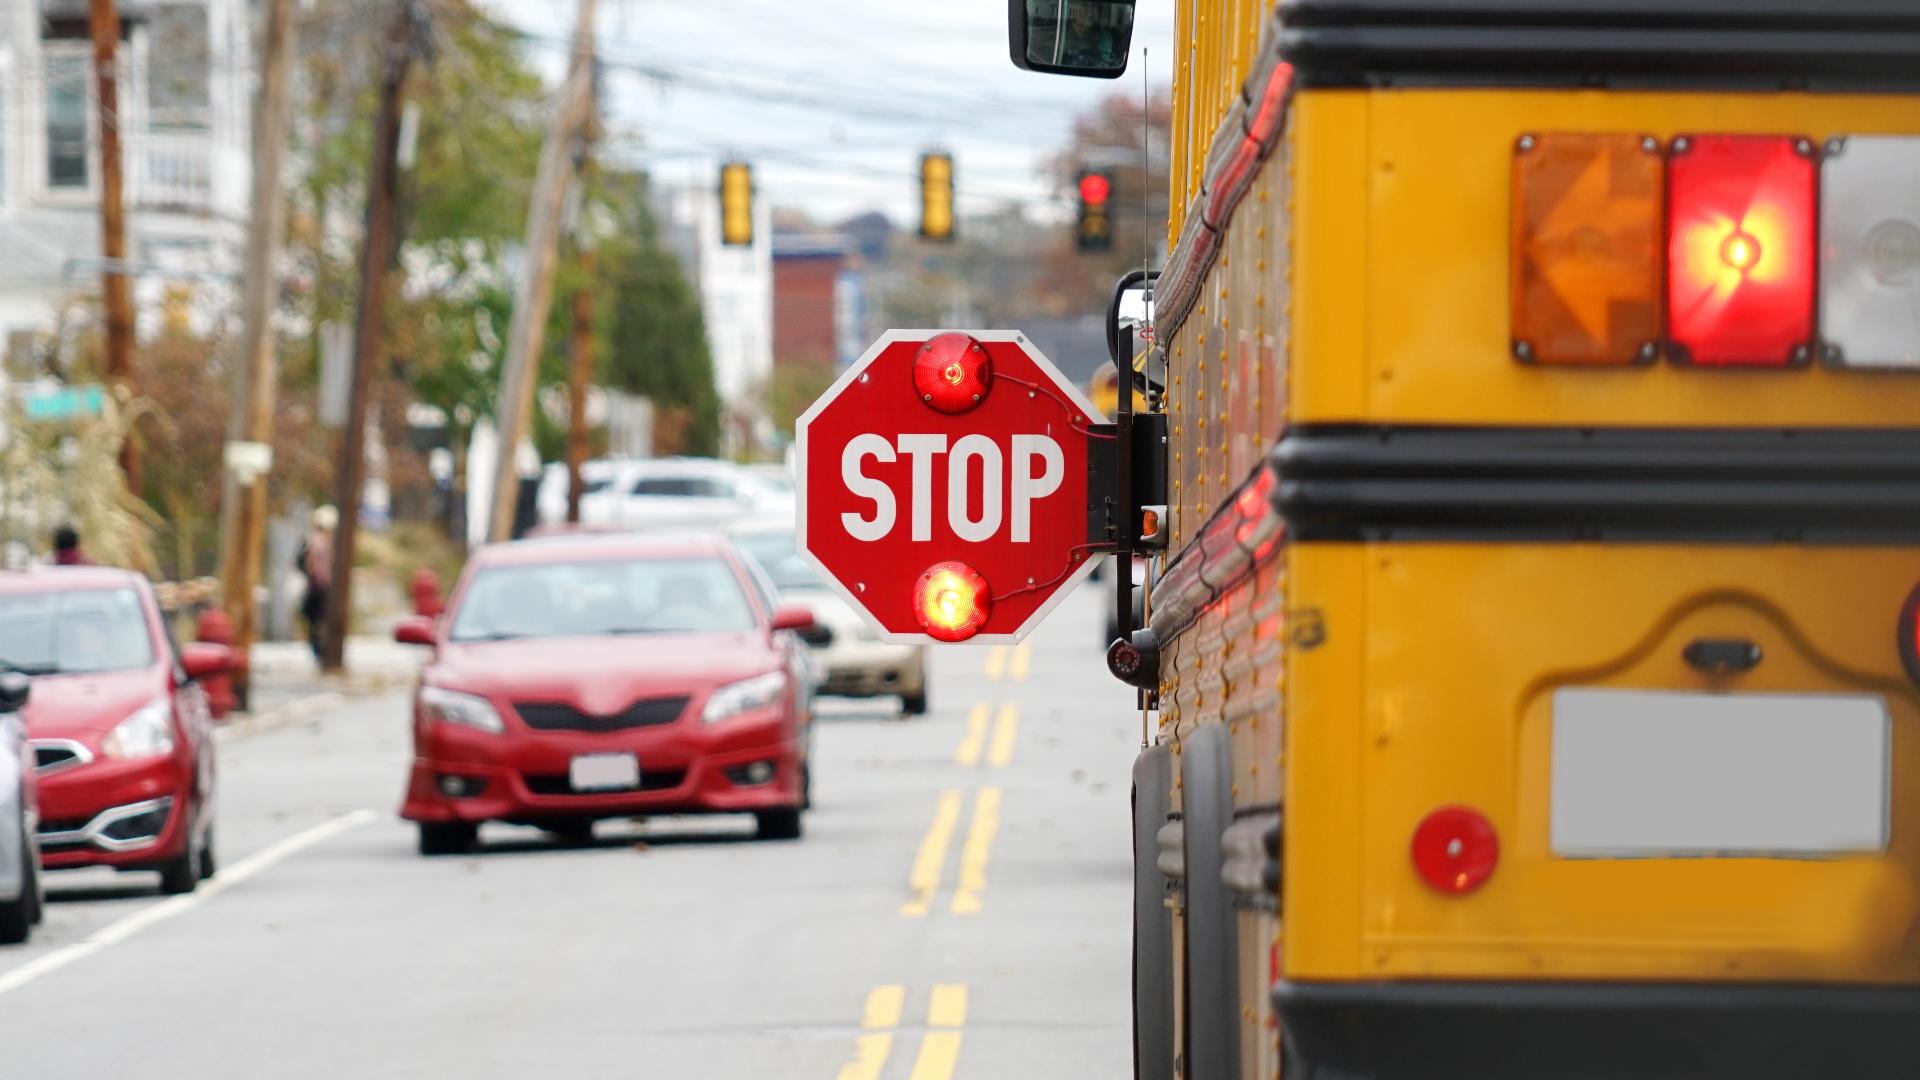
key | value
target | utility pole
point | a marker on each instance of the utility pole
(578, 376)
(534, 296)
(243, 500)
(406, 36)
(103, 23)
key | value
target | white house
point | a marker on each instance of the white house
(736, 297)
(185, 93)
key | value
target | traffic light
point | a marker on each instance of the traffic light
(736, 204)
(936, 196)
(1093, 229)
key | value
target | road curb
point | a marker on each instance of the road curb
(246, 725)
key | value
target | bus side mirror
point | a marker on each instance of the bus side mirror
(1089, 38)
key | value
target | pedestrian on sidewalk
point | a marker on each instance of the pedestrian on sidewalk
(66, 547)
(316, 565)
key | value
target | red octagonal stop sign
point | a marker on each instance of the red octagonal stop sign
(943, 485)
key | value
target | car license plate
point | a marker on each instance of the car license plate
(1656, 774)
(604, 772)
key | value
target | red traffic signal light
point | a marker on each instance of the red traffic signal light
(1093, 227)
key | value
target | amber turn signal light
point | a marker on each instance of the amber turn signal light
(1586, 248)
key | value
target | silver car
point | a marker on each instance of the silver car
(851, 659)
(20, 897)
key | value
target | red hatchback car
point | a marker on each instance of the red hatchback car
(600, 676)
(121, 734)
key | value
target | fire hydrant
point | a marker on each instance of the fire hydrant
(425, 587)
(214, 628)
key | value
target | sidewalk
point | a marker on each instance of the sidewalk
(288, 684)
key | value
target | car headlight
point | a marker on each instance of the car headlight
(453, 707)
(146, 733)
(744, 696)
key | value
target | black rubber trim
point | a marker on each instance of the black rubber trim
(1413, 483)
(1710, 44)
(1600, 1031)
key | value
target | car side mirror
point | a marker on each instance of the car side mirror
(15, 688)
(415, 630)
(200, 659)
(793, 618)
(1089, 38)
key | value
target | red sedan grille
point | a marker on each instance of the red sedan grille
(558, 716)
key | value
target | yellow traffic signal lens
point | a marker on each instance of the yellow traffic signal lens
(736, 204)
(936, 196)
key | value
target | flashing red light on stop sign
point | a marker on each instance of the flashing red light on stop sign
(943, 485)
(1741, 250)
(952, 372)
(1094, 188)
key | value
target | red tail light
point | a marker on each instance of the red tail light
(952, 373)
(1455, 850)
(1907, 635)
(1741, 250)
(951, 601)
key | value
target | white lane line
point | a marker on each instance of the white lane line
(116, 932)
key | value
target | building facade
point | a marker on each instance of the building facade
(185, 89)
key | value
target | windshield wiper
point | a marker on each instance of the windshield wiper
(498, 635)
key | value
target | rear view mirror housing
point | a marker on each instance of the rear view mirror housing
(200, 659)
(414, 630)
(1087, 38)
(15, 688)
(793, 618)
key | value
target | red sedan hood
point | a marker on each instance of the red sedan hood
(601, 674)
(65, 706)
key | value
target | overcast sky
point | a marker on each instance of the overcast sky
(834, 100)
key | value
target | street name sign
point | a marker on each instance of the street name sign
(943, 485)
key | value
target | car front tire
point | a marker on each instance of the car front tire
(447, 837)
(778, 824)
(17, 916)
(182, 875)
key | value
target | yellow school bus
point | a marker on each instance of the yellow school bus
(1533, 651)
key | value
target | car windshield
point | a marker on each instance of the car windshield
(776, 554)
(602, 596)
(74, 632)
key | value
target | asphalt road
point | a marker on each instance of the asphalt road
(958, 908)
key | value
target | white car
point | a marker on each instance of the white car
(667, 493)
(20, 899)
(852, 660)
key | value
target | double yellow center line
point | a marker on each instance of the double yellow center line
(939, 1046)
(930, 862)
(1005, 730)
(1014, 661)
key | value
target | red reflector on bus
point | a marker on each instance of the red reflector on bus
(1455, 850)
(1907, 635)
(1740, 250)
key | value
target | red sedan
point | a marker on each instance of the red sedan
(590, 677)
(121, 734)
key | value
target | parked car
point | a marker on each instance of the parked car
(121, 733)
(608, 675)
(851, 659)
(667, 493)
(20, 900)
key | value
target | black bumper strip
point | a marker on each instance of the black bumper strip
(1601, 1031)
(1433, 483)
(1711, 44)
